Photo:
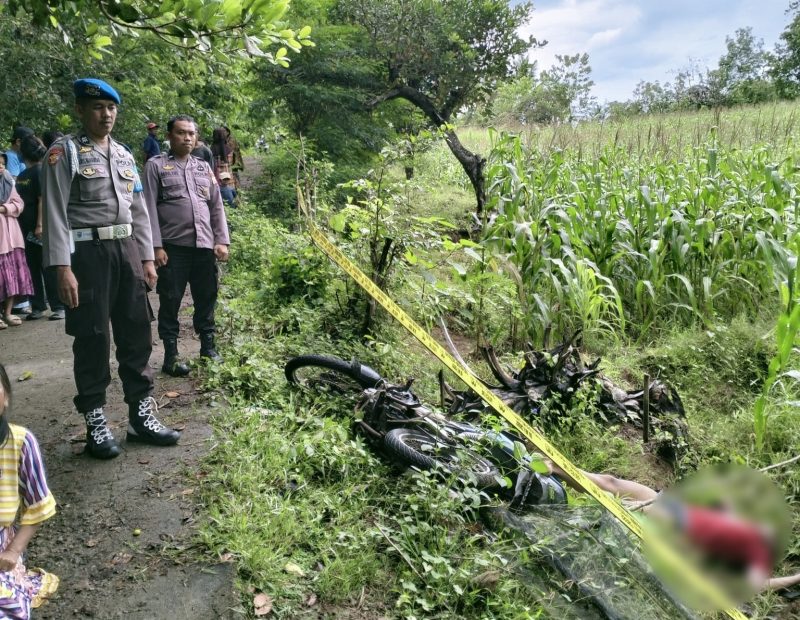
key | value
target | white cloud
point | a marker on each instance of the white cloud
(575, 26)
(599, 39)
(633, 40)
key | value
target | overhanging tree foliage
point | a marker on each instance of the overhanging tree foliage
(36, 82)
(442, 55)
(252, 26)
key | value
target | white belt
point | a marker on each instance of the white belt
(103, 233)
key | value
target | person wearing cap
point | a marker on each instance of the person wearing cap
(15, 165)
(227, 189)
(97, 237)
(150, 146)
(190, 233)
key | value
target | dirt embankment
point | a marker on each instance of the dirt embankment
(121, 540)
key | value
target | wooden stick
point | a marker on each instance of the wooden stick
(794, 459)
(646, 410)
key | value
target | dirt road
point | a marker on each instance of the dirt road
(120, 542)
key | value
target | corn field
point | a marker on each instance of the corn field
(691, 229)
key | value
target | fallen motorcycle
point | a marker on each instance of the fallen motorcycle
(394, 421)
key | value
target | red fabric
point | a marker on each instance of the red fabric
(725, 537)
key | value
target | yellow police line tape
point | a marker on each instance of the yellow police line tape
(715, 597)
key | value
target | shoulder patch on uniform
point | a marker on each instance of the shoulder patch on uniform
(54, 155)
(137, 182)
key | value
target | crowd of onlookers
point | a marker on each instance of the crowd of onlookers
(26, 288)
(224, 156)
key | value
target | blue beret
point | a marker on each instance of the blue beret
(91, 88)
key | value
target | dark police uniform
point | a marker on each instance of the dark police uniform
(95, 221)
(188, 220)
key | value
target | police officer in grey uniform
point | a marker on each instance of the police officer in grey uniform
(190, 233)
(97, 237)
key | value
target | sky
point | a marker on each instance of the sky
(633, 40)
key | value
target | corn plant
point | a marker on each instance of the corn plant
(786, 330)
(622, 241)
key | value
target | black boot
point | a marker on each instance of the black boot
(100, 442)
(207, 348)
(172, 365)
(144, 427)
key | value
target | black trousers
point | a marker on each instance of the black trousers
(45, 281)
(111, 287)
(198, 268)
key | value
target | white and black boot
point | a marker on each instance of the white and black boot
(100, 442)
(144, 426)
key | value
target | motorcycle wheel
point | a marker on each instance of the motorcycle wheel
(328, 374)
(419, 448)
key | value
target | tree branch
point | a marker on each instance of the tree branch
(414, 96)
(794, 459)
(159, 29)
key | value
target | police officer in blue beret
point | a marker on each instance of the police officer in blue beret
(97, 236)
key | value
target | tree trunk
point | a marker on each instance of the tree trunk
(472, 163)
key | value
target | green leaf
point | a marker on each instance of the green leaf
(472, 253)
(460, 269)
(232, 11)
(538, 465)
(337, 222)
(520, 451)
(270, 11)
(101, 41)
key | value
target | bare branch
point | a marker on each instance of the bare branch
(794, 459)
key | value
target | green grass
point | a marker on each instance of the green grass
(287, 482)
(668, 135)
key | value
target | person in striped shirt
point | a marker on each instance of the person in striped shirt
(25, 502)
